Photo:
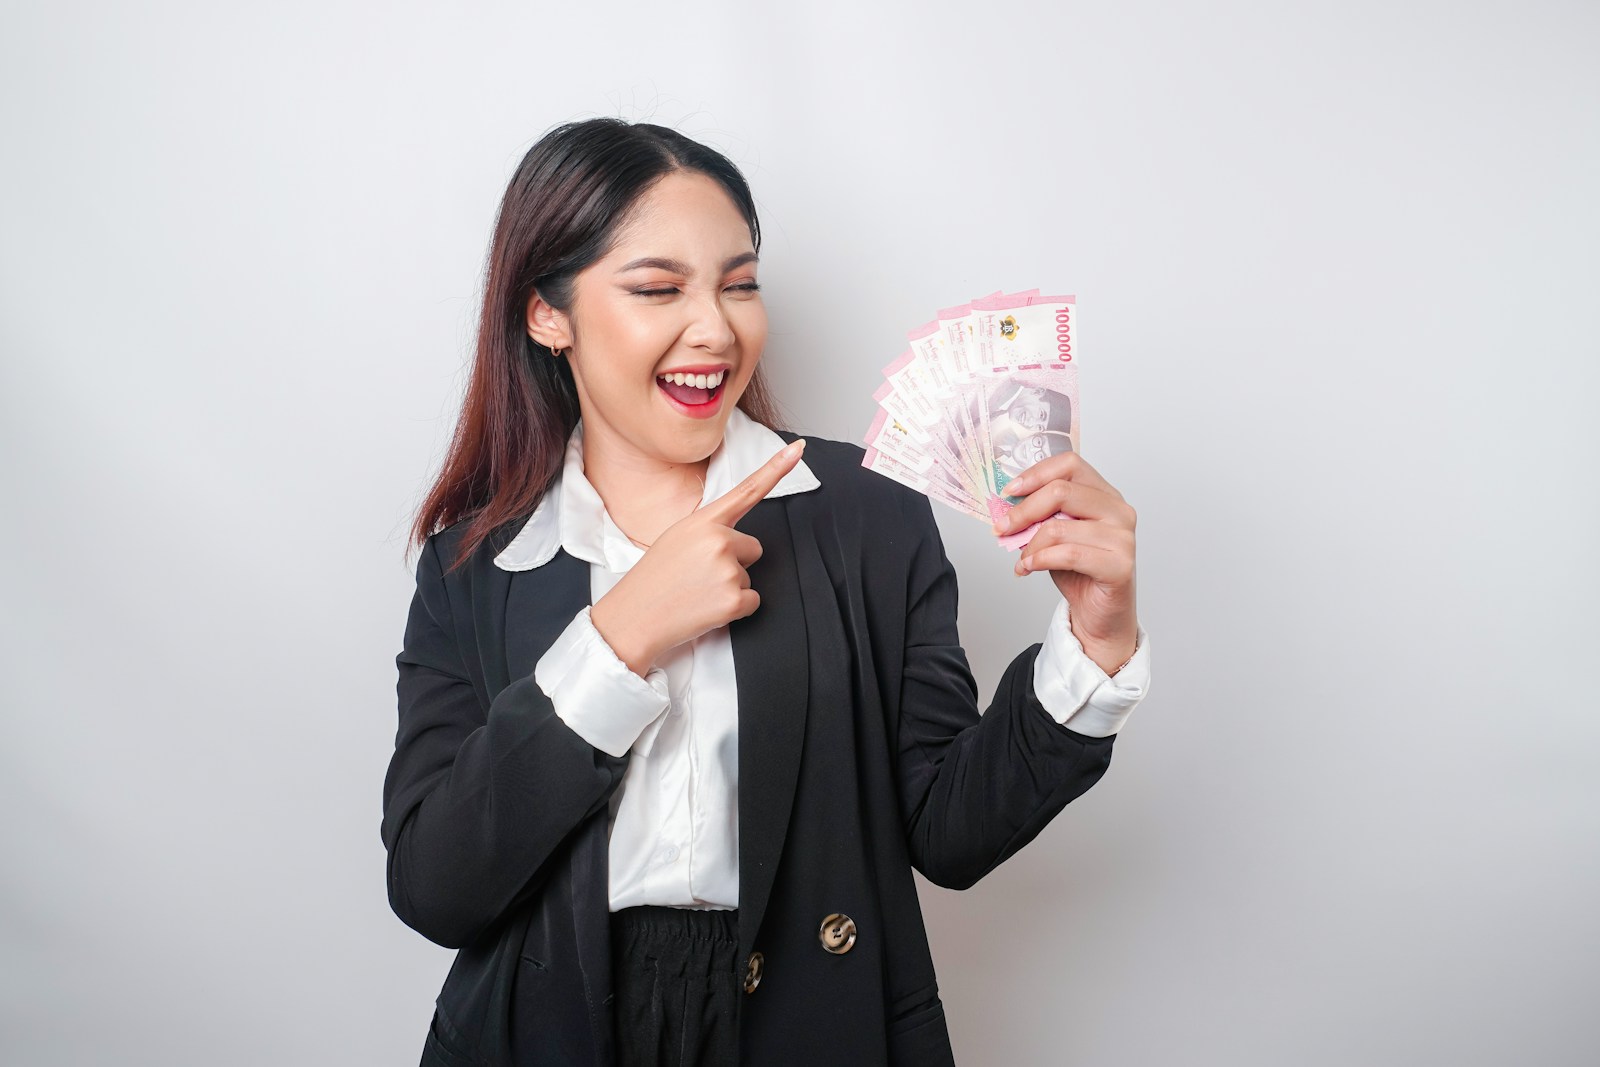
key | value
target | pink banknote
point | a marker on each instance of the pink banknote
(985, 390)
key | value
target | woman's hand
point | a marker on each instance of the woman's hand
(693, 578)
(1090, 555)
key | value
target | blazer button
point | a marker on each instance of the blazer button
(752, 972)
(838, 933)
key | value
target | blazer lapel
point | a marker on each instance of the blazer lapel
(770, 656)
(538, 605)
(771, 666)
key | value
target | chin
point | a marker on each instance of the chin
(701, 435)
(697, 443)
(704, 439)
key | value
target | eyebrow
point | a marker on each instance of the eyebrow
(677, 266)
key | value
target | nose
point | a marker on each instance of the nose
(708, 326)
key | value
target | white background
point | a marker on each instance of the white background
(1337, 269)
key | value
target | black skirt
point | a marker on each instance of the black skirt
(677, 984)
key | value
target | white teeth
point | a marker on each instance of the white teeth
(698, 381)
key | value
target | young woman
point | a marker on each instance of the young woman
(682, 702)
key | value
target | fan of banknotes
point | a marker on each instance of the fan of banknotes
(984, 391)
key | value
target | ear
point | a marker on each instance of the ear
(547, 325)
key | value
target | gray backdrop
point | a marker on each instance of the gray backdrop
(1336, 268)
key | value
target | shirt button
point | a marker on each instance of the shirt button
(669, 853)
(838, 934)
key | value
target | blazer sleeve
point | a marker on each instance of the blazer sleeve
(475, 803)
(974, 788)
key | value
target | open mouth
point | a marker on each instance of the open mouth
(696, 394)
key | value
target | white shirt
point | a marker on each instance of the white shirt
(675, 817)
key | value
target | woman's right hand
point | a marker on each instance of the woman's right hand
(693, 578)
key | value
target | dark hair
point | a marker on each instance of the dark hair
(560, 213)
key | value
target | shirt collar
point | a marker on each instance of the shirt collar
(571, 514)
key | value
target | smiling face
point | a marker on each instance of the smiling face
(666, 329)
(1017, 449)
(1031, 409)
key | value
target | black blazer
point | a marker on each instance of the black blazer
(862, 754)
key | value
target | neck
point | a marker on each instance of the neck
(642, 494)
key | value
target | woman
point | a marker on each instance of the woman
(682, 702)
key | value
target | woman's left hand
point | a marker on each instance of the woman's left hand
(1090, 556)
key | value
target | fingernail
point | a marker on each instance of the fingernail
(794, 449)
(998, 528)
(1023, 563)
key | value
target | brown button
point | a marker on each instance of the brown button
(752, 972)
(838, 933)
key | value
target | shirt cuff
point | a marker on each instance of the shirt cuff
(1076, 691)
(597, 696)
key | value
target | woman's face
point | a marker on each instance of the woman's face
(675, 296)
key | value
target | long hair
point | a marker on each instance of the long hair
(559, 214)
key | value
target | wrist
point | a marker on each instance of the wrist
(1111, 658)
(1109, 654)
(629, 646)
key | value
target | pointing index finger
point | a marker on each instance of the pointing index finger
(733, 505)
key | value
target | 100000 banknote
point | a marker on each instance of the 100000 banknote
(984, 391)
